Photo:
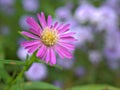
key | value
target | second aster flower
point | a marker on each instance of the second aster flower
(48, 39)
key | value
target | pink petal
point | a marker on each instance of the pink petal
(67, 34)
(67, 45)
(68, 39)
(55, 25)
(53, 57)
(35, 32)
(64, 52)
(33, 48)
(49, 21)
(29, 35)
(65, 28)
(30, 43)
(33, 23)
(57, 49)
(41, 52)
(59, 26)
(42, 20)
(48, 55)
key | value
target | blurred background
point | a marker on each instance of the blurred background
(97, 54)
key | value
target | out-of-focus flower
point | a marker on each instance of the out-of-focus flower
(7, 6)
(30, 5)
(22, 53)
(112, 45)
(112, 49)
(80, 71)
(95, 57)
(63, 13)
(7, 2)
(49, 38)
(65, 63)
(4, 30)
(23, 23)
(37, 71)
(113, 65)
(58, 83)
(83, 12)
(104, 17)
(83, 34)
(112, 3)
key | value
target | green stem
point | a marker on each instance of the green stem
(28, 64)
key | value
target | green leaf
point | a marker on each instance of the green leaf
(93, 87)
(12, 62)
(39, 86)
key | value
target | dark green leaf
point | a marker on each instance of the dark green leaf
(93, 87)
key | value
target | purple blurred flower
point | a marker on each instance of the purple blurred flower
(5, 30)
(105, 18)
(112, 49)
(83, 34)
(7, 2)
(80, 71)
(37, 71)
(112, 45)
(7, 6)
(95, 57)
(22, 53)
(63, 13)
(113, 65)
(58, 83)
(83, 12)
(65, 63)
(23, 23)
(30, 5)
(112, 3)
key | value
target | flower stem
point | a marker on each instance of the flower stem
(26, 66)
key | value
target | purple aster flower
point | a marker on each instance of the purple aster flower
(83, 34)
(83, 12)
(95, 56)
(5, 30)
(65, 63)
(48, 39)
(23, 23)
(58, 83)
(37, 71)
(22, 53)
(30, 5)
(105, 18)
(80, 71)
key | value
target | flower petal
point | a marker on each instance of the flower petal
(42, 20)
(49, 21)
(33, 48)
(63, 52)
(47, 59)
(41, 52)
(30, 43)
(32, 30)
(67, 45)
(64, 28)
(55, 25)
(67, 34)
(59, 26)
(29, 35)
(33, 23)
(68, 39)
(52, 56)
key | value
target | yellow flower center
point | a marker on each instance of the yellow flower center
(49, 36)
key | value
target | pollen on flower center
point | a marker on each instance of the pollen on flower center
(49, 36)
